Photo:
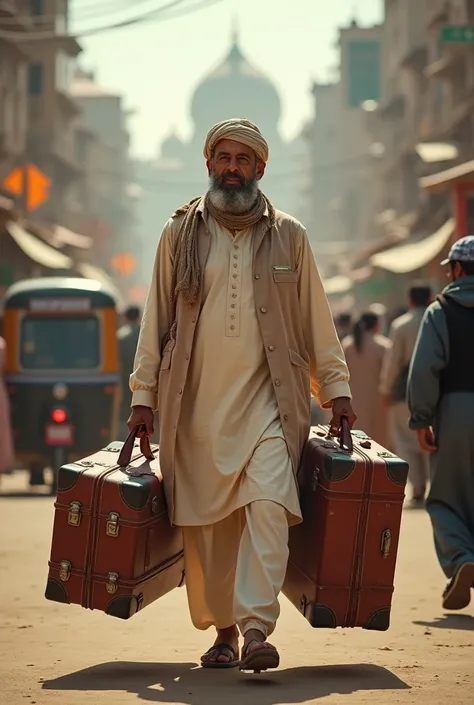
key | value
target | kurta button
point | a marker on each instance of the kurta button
(263, 309)
(256, 276)
(271, 348)
(277, 383)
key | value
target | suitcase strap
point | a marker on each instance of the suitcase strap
(127, 448)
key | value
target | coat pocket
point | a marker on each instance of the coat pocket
(165, 361)
(296, 359)
(285, 277)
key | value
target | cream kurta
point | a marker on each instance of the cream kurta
(230, 447)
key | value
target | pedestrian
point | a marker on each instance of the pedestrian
(441, 402)
(236, 331)
(127, 337)
(344, 325)
(365, 350)
(7, 454)
(393, 386)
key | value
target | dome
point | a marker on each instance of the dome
(172, 146)
(236, 89)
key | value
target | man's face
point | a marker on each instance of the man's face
(234, 172)
(234, 164)
(455, 272)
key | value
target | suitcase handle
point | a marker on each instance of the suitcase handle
(345, 436)
(127, 448)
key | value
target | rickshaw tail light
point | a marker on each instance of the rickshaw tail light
(59, 416)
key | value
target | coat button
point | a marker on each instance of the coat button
(187, 357)
(256, 276)
(263, 309)
(277, 383)
(286, 417)
(180, 390)
(271, 348)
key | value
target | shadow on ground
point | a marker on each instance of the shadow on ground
(450, 621)
(189, 684)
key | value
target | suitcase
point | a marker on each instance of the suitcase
(113, 547)
(342, 557)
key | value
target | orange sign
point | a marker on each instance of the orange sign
(124, 263)
(31, 180)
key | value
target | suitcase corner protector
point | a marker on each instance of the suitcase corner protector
(56, 592)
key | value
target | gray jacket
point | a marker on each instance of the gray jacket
(431, 355)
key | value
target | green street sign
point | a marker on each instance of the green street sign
(457, 35)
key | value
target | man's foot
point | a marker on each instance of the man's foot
(457, 594)
(257, 654)
(225, 651)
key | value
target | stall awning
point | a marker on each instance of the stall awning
(90, 271)
(445, 179)
(36, 249)
(338, 285)
(415, 255)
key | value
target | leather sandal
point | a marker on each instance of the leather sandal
(261, 659)
(221, 650)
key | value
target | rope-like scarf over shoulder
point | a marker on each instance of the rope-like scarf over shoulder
(186, 274)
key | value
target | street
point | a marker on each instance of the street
(52, 653)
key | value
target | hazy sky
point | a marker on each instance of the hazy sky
(156, 66)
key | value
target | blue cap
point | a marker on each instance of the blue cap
(461, 251)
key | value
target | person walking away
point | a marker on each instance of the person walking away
(344, 325)
(236, 333)
(393, 386)
(441, 403)
(7, 454)
(364, 351)
(127, 337)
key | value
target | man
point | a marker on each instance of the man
(441, 401)
(344, 325)
(403, 334)
(127, 337)
(235, 332)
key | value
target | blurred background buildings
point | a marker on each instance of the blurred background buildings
(382, 174)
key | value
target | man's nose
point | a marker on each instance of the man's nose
(233, 164)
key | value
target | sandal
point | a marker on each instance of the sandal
(221, 650)
(260, 659)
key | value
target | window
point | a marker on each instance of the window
(60, 343)
(64, 71)
(35, 78)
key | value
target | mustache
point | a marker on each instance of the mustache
(232, 175)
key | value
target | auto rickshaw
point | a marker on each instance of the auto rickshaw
(62, 370)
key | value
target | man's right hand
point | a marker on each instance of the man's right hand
(426, 439)
(141, 416)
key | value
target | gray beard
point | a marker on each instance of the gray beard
(236, 200)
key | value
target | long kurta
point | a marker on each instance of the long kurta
(450, 501)
(230, 447)
(365, 368)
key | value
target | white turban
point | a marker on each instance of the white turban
(239, 130)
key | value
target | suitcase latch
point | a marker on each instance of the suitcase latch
(112, 583)
(112, 527)
(155, 505)
(64, 571)
(74, 515)
(386, 543)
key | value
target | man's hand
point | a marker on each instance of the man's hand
(426, 439)
(341, 407)
(141, 416)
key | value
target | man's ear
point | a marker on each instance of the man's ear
(260, 169)
(209, 166)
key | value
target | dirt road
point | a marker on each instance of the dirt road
(62, 654)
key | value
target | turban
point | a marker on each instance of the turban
(239, 130)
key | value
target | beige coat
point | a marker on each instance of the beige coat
(7, 455)
(403, 334)
(302, 357)
(365, 369)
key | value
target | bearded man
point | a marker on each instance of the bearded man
(235, 335)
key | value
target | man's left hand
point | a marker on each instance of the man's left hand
(341, 407)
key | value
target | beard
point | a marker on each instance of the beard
(233, 198)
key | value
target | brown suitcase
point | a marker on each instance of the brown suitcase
(113, 547)
(342, 557)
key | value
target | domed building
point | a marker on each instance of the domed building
(234, 88)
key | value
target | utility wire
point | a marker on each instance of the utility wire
(161, 13)
(94, 11)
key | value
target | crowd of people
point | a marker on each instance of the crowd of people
(378, 355)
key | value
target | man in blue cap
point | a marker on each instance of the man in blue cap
(441, 402)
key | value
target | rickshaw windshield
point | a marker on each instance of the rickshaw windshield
(60, 343)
